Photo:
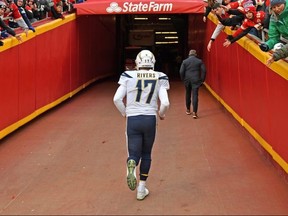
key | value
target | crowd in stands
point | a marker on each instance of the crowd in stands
(253, 17)
(244, 17)
(15, 14)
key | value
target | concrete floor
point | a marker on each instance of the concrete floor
(71, 161)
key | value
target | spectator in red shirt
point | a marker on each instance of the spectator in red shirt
(16, 15)
(5, 29)
(57, 9)
(34, 9)
(254, 19)
(20, 4)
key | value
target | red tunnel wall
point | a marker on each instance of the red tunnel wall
(256, 93)
(50, 65)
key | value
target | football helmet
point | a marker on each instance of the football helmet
(145, 59)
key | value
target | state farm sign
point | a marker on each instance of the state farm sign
(130, 7)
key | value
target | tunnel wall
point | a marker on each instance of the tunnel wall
(255, 94)
(53, 64)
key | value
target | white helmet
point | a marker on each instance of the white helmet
(145, 59)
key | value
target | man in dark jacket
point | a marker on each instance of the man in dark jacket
(192, 73)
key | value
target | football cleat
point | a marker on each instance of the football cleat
(131, 174)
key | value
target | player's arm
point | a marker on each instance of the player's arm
(118, 99)
(164, 102)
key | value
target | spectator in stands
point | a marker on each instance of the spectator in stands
(28, 11)
(224, 20)
(44, 7)
(220, 27)
(278, 24)
(5, 29)
(68, 6)
(209, 8)
(263, 5)
(229, 13)
(34, 9)
(57, 9)
(278, 54)
(20, 4)
(240, 6)
(223, 14)
(254, 19)
(260, 5)
(17, 17)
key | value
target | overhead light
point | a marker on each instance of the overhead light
(166, 42)
(165, 32)
(173, 37)
(164, 18)
(140, 18)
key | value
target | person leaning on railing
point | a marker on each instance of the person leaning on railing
(57, 9)
(254, 19)
(5, 29)
(21, 7)
(278, 24)
(278, 54)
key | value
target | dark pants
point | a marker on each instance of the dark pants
(192, 90)
(141, 132)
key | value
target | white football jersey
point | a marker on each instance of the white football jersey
(142, 91)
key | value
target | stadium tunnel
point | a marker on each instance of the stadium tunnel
(96, 44)
(168, 29)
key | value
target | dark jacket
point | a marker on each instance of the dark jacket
(7, 28)
(193, 70)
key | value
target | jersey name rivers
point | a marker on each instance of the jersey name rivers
(146, 75)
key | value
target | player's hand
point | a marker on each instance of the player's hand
(161, 117)
(204, 19)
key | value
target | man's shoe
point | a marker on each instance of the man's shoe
(131, 174)
(188, 112)
(142, 194)
(195, 116)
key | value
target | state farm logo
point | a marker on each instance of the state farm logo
(114, 8)
(130, 7)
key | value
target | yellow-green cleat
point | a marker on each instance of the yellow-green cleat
(131, 174)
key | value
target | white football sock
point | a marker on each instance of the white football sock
(142, 185)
